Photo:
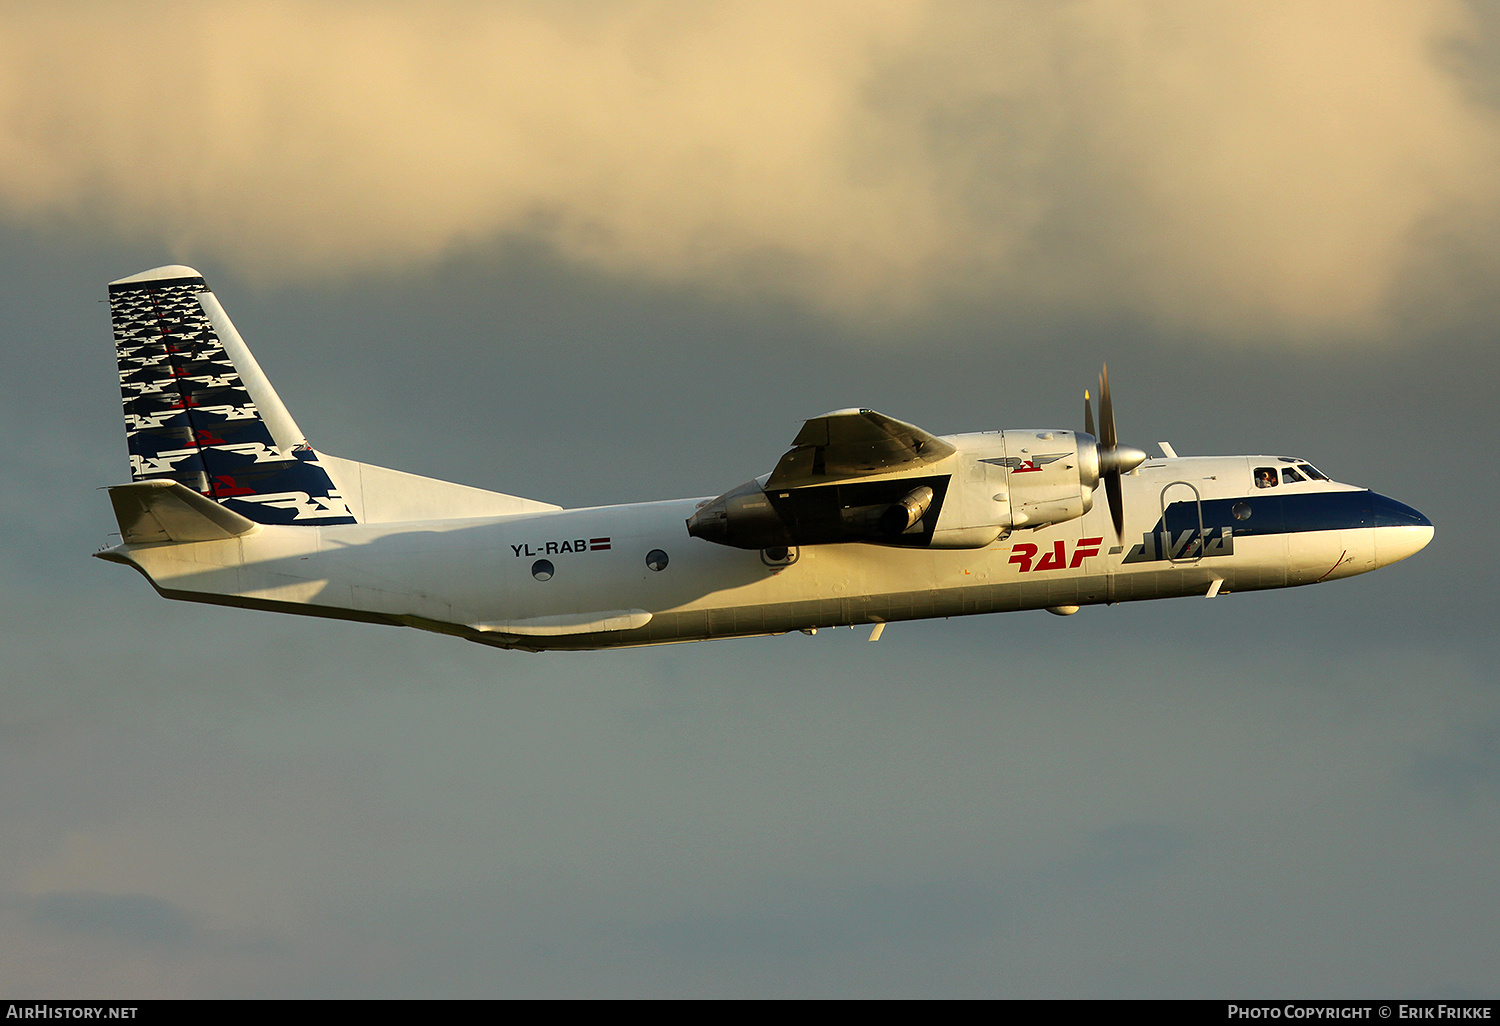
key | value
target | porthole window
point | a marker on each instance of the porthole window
(656, 559)
(1241, 511)
(542, 570)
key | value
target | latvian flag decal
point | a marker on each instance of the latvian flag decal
(596, 544)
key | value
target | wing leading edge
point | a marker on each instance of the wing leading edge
(855, 443)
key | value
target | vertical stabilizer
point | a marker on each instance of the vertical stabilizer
(199, 410)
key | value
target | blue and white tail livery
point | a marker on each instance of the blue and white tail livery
(199, 411)
(863, 521)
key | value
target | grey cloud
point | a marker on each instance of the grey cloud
(1469, 773)
(1130, 850)
(1304, 172)
(133, 918)
(802, 921)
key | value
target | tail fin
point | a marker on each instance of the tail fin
(199, 411)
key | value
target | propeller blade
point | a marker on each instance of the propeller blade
(1114, 459)
(1106, 411)
(1116, 503)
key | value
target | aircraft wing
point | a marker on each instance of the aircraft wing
(854, 443)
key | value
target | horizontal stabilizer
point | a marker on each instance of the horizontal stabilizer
(159, 511)
(571, 623)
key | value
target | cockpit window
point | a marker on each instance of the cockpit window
(1313, 472)
(1289, 474)
(1265, 477)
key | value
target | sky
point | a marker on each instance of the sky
(618, 251)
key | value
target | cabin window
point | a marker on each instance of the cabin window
(542, 570)
(1265, 477)
(656, 559)
(1241, 511)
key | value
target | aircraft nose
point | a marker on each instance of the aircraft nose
(1400, 531)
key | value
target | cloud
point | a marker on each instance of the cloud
(1286, 168)
(1467, 770)
(138, 918)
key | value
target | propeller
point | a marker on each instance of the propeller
(1114, 459)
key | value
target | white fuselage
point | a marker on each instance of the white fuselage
(488, 579)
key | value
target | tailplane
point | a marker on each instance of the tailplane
(158, 511)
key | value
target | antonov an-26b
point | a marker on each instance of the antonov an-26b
(865, 520)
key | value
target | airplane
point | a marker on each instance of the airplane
(866, 520)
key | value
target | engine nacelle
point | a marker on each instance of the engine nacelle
(1051, 476)
(1018, 479)
(992, 483)
(890, 511)
(742, 517)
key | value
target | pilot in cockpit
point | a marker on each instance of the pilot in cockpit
(1265, 477)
